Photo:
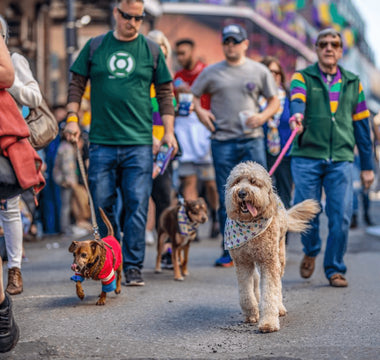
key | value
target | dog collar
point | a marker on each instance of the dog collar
(186, 227)
(238, 233)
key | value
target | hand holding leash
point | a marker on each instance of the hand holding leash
(72, 129)
(296, 121)
(295, 124)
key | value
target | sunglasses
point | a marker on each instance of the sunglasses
(324, 44)
(126, 16)
(275, 72)
(231, 41)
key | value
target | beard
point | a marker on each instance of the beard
(233, 57)
(127, 32)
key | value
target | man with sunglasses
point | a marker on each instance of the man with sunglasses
(121, 70)
(234, 85)
(329, 108)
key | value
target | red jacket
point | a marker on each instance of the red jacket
(14, 144)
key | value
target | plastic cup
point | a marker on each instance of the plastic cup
(185, 101)
(243, 116)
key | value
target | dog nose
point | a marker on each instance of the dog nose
(242, 194)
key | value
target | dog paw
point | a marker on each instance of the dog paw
(101, 302)
(267, 327)
(282, 310)
(81, 295)
(251, 319)
(118, 291)
(179, 278)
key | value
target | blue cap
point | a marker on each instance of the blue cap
(234, 31)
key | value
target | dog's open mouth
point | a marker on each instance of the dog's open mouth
(247, 207)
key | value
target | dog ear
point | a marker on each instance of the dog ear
(202, 200)
(95, 244)
(272, 206)
(73, 246)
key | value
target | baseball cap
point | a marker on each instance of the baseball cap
(235, 31)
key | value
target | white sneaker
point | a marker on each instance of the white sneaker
(78, 231)
(149, 237)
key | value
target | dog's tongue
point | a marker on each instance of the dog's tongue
(251, 209)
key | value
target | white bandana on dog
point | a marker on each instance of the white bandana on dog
(186, 227)
(238, 233)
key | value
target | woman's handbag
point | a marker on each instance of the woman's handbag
(43, 126)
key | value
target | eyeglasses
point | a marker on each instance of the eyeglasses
(275, 72)
(231, 41)
(334, 44)
(126, 16)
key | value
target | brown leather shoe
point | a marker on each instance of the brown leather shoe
(338, 280)
(14, 281)
(307, 266)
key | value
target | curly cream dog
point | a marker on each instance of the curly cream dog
(255, 231)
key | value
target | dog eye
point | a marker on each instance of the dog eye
(83, 255)
(253, 181)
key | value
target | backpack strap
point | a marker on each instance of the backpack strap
(155, 51)
(94, 44)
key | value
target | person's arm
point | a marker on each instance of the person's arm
(76, 90)
(164, 95)
(363, 140)
(206, 117)
(25, 88)
(259, 119)
(297, 102)
(7, 74)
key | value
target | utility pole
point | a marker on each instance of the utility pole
(71, 33)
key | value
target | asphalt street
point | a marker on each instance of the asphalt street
(198, 318)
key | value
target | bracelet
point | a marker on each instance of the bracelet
(72, 118)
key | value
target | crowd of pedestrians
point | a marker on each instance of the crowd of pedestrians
(238, 109)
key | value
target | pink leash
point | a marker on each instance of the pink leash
(283, 151)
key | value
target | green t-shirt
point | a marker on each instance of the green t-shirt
(121, 74)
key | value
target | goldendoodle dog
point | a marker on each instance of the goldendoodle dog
(255, 232)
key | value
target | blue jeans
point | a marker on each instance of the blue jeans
(310, 176)
(130, 169)
(226, 155)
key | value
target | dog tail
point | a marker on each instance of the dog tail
(300, 215)
(106, 221)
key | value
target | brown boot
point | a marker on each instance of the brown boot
(14, 281)
(307, 266)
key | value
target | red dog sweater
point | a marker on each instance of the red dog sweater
(107, 274)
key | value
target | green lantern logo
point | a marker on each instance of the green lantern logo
(120, 64)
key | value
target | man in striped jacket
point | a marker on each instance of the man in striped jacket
(329, 108)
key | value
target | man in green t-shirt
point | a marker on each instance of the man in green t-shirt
(121, 70)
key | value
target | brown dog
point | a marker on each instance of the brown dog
(179, 223)
(98, 260)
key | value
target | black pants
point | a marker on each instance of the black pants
(161, 191)
(282, 178)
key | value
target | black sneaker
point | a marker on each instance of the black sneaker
(9, 331)
(133, 277)
(166, 260)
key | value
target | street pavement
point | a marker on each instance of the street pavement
(198, 318)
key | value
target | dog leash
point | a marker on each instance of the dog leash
(84, 177)
(283, 151)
